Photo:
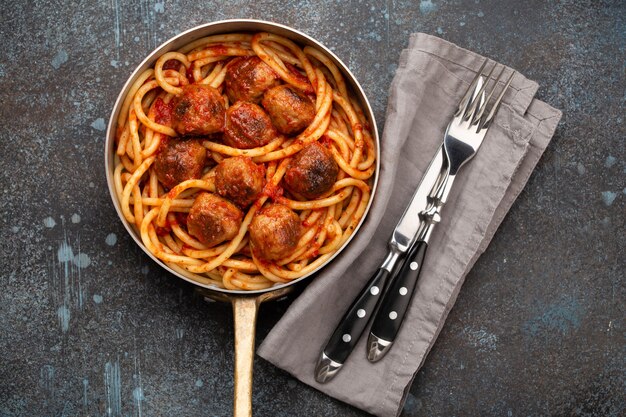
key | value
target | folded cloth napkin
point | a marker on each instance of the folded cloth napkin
(432, 76)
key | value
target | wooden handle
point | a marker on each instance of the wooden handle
(244, 311)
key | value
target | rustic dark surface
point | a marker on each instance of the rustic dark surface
(90, 326)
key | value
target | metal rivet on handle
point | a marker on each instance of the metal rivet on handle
(393, 315)
(360, 313)
(403, 291)
(413, 266)
(346, 338)
(374, 290)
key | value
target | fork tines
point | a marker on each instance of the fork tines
(474, 104)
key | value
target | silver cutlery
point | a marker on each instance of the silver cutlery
(407, 246)
(462, 139)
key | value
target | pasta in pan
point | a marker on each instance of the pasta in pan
(243, 160)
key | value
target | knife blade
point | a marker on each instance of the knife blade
(355, 319)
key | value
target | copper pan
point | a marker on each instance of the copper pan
(245, 303)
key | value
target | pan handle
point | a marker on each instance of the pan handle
(244, 311)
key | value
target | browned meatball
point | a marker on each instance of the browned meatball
(212, 219)
(247, 78)
(198, 110)
(274, 232)
(312, 171)
(248, 126)
(240, 180)
(291, 110)
(179, 160)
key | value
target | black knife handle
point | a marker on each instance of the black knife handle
(354, 321)
(398, 296)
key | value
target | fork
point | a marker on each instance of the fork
(462, 139)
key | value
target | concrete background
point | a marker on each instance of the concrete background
(90, 326)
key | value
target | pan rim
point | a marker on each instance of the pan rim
(159, 50)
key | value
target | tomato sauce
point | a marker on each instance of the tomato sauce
(171, 64)
(189, 75)
(162, 112)
(274, 192)
(326, 141)
(181, 218)
(163, 231)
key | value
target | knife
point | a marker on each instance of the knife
(398, 296)
(462, 140)
(354, 321)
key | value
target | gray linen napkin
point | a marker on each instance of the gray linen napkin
(431, 78)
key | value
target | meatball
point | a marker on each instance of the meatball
(274, 232)
(248, 126)
(179, 160)
(198, 110)
(248, 78)
(240, 180)
(312, 172)
(212, 219)
(291, 110)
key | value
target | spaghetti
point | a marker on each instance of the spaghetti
(159, 213)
